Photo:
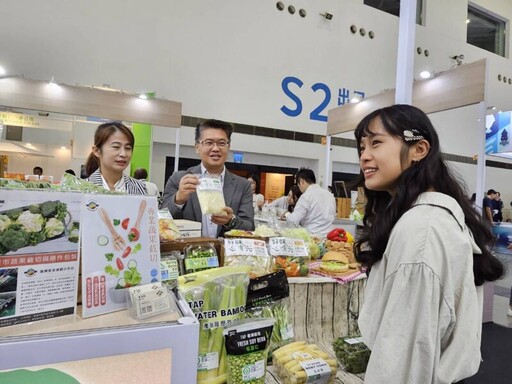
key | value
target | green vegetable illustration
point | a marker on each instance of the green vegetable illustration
(111, 271)
(116, 222)
(109, 256)
(102, 240)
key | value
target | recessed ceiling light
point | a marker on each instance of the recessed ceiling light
(425, 74)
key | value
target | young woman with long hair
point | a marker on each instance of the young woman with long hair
(427, 251)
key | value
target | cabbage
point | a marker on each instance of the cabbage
(31, 222)
(54, 227)
(4, 222)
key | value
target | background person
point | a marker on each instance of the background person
(428, 253)
(142, 174)
(257, 198)
(497, 207)
(316, 208)
(38, 171)
(111, 154)
(487, 205)
(285, 204)
(212, 145)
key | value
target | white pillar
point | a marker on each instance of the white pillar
(177, 149)
(405, 56)
(328, 165)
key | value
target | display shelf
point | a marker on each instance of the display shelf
(72, 339)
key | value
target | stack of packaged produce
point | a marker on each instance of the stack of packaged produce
(299, 362)
(352, 353)
(217, 297)
(268, 297)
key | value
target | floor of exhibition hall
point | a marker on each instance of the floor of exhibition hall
(502, 294)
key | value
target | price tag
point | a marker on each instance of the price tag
(317, 371)
(245, 247)
(287, 332)
(286, 246)
(207, 361)
(355, 340)
(201, 262)
(169, 269)
(253, 371)
(210, 184)
(149, 300)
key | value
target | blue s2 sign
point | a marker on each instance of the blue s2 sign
(291, 82)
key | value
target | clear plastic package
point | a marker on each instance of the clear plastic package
(352, 353)
(171, 267)
(210, 195)
(149, 300)
(252, 252)
(199, 257)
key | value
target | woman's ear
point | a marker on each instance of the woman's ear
(96, 151)
(420, 150)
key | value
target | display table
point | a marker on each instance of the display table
(69, 343)
(323, 310)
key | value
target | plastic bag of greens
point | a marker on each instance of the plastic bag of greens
(217, 297)
(252, 252)
(210, 195)
(268, 296)
(199, 257)
(247, 350)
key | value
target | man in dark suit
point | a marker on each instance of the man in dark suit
(212, 139)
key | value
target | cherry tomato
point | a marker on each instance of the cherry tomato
(126, 252)
(119, 264)
(125, 222)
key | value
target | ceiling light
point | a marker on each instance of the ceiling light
(327, 15)
(143, 96)
(147, 95)
(3, 72)
(425, 74)
(62, 147)
(467, 21)
(355, 99)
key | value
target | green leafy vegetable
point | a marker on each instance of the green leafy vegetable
(31, 222)
(132, 277)
(109, 256)
(111, 271)
(137, 248)
(116, 222)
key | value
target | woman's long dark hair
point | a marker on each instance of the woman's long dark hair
(383, 210)
(102, 134)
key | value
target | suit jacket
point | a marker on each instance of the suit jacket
(237, 195)
(133, 186)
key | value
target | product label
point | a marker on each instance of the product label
(169, 270)
(355, 340)
(207, 361)
(210, 184)
(286, 332)
(285, 246)
(245, 247)
(201, 262)
(253, 371)
(317, 371)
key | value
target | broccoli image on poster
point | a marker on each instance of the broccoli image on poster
(31, 225)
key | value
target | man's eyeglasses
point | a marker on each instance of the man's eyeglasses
(209, 144)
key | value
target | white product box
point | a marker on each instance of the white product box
(188, 228)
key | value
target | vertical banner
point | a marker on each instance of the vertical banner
(497, 133)
(120, 249)
(38, 255)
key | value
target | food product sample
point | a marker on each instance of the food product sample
(352, 353)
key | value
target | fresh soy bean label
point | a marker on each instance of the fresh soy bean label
(247, 346)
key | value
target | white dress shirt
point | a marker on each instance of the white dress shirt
(315, 210)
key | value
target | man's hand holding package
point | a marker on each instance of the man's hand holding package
(224, 218)
(188, 185)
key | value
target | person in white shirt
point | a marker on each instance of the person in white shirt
(427, 254)
(142, 174)
(284, 205)
(316, 208)
(257, 198)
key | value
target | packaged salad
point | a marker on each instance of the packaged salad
(290, 255)
(210, 195)
(250, 252)
(199, 257)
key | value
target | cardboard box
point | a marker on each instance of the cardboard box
(188, 228)
(343, 207)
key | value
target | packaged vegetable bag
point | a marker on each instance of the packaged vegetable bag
(210, 195)
(268, 297)
(247, 350)
(217, 297)
(251, 252)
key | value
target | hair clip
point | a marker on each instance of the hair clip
(412, 135)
